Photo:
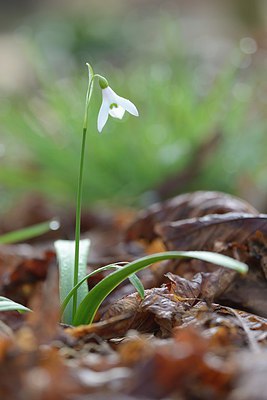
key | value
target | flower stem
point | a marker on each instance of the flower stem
(79, 191)
(78, 222)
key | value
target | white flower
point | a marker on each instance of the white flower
(113, 105)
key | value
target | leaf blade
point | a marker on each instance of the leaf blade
(10, 305)
(133, 279)
(65, 250)
(28, 232)
(89, 306)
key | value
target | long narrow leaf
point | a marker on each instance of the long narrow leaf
(70, 294)
(65, 250)
(89, 306)
(28, 232)
(135, 281)
(10, 305)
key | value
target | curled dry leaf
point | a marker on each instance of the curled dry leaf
(176, 343)
(212, 232)
(190, 205)
(203, 285)
(215, 222)
(177, 304)
(158, 312)
(241, 236)
(111, 327)
(24, 272)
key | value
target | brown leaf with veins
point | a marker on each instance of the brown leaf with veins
(212, 232)
(158, 312)
(206, 221)
(189, 205)
(239, 236)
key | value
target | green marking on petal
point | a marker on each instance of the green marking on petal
(113, 105)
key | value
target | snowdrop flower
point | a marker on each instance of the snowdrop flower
(113, 105)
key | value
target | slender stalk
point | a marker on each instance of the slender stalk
(78, 222)
(79, 190)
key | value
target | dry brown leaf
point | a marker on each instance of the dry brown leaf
(184, 367)
(185, 206)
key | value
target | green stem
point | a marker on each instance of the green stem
(78, 222)
(79, 191)
(89, 92)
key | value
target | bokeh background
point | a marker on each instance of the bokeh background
(195, 69)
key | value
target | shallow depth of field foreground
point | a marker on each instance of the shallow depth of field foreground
(133, 200)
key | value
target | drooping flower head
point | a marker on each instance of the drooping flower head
(113, 105)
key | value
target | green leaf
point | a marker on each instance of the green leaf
(65, 250)
(29, 232)
(10, 305)
(89, 306)
(135, 281)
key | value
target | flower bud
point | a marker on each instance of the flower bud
(103, 83)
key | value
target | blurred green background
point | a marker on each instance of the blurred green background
(195, 70)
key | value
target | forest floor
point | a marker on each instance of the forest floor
(199, 333)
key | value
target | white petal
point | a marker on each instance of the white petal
(117, 112)
(102, 115)
(127, 105)
(109, 95)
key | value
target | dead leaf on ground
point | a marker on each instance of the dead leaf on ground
(177, 343)
(240, 236)
(23, 273)
(184, 206)
(181, 368)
